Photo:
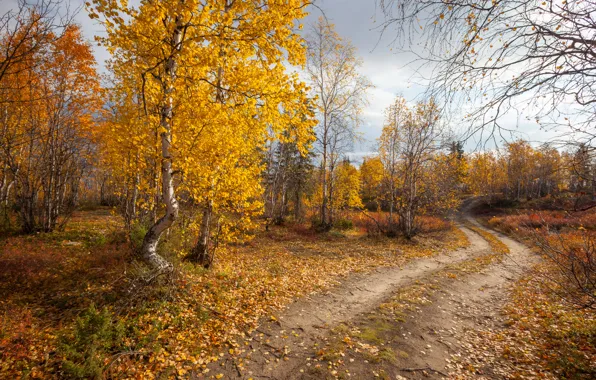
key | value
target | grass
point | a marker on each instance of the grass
(47, 281)
(495, 243)
(387, 354)
(374, 331)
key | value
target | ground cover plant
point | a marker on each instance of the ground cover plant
(69, 313)
(551, 319)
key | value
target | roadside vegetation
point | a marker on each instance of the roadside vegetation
(154, 215)
(75, 305)
(550, 318)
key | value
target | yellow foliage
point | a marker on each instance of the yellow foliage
(371, 177)
(229, 95)
(347, 186)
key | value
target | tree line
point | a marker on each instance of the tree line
(199, 115)
(49, 92)
(200, 118)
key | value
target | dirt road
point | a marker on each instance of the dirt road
(344, 334)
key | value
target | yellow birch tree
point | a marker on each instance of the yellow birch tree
(211, 82)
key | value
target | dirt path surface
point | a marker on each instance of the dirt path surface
(360, 293)
(343, 334)
(436, 342)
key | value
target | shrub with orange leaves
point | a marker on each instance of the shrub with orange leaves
(374, 221)
(566, 240)
(556, 220)
(552, 326)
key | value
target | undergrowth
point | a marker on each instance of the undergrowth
(85, 350)
(548, 335)
(77, 305)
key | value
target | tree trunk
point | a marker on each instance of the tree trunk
(324, 190)
(330, 195)
(391, 200)
(149, 248)
(135, 195)
(298, 204)
(200, 253)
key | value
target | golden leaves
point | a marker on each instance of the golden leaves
(347, 186)
(230, 92)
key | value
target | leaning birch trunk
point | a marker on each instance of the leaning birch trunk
(149, 249)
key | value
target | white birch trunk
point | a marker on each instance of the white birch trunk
(149, 248)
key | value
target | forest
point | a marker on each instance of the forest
(183, 193)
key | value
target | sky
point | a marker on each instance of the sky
(389, 71)
(358, 21)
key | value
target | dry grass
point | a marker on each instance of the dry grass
(548, 336)
(495, 244)
(47, 280)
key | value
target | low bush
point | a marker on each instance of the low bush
(137, 234)
(84, 351)
(343, 224)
